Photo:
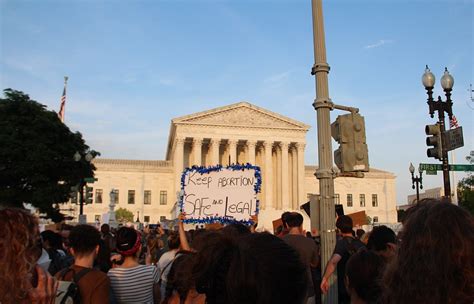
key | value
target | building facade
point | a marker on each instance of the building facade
(241, 133)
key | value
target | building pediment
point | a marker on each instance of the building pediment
(242, 114)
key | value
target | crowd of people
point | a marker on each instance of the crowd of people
(430, 261)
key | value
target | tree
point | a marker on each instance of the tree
(124, 215)
(36, 156)
(466, 193)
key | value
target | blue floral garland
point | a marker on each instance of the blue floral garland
(207, 170)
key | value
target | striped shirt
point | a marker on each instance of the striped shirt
(133, 285)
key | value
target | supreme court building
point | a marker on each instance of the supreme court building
(241, 133)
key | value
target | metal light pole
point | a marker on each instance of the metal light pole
(77, 157)
(447, 83)
(325, 173)
(416, 180)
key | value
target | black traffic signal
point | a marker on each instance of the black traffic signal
(435, 141)
(89, 195)
(349, 131)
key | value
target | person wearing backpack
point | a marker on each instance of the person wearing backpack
(346, 246)
(88, 285)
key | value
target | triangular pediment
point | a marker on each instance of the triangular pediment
(241, 114)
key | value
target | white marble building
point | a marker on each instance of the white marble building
(242, 133)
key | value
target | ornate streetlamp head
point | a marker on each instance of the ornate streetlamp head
(77, 156)
(447, 81)
(428, 79)
(412, 168)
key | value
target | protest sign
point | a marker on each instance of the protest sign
(220, 194)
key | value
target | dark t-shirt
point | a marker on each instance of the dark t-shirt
(94, 286)
(345, 247)
(308, 252)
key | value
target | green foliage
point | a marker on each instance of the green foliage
(124, 215)
(36, 156)
(466, 193)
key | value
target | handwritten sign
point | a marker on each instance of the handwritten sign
(220, 194)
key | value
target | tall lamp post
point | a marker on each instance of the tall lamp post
(415, 180)
(88, 158)
(447, 82)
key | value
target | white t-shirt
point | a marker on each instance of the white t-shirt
(133, 285)
(164, 266)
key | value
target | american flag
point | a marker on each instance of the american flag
(62, 107)
(453, 123)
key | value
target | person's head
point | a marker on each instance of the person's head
(84, 241)
(294, 220)
(435, 259)
(344, 224)
(360, 233)
(262, 265)
(235, 230)
(105, 228)
(173, 240)
(383, 241)
(179, 281)
(363, 270)
(128, 242)
(20, 248)
(51, 240)
(284, 216)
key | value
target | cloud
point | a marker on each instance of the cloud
(378, 44)
(277, 78)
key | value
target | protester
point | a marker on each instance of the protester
(360, 233)
(107, 236)
(94, 285)
(52, 243)
(383, 241)
(362, 280)
(435, 260)
(166, 260)
(257, 268)
(21, 279)
(304, 246)
(346, 246)
(132, 282)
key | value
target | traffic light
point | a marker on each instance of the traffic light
(89, 195)
(349, 131)
(435, 141)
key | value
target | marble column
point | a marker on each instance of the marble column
(232, 151)
(277, 194)
(294, 181)
(197, 151)
(215, 145)
(285, 181)
(301, 193)
(268, 175)
(251, 152)
(178, 161)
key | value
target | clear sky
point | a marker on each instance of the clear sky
(135, 65)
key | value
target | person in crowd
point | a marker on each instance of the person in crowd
(102, 262)
(166, 260)
(362, 280)
(94, 285)
(284, 227)
(360, 233)
(21, 279)
(305, 247)
(346, 246)
(235, 230)
(257, 268)
(132, 282)
(52, 243)
(435, 259)
(107, 236)
(383, 241)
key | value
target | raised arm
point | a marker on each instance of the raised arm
(182, 234)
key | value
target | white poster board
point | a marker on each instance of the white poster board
(220, 194)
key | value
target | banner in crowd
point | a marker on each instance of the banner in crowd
(220, 194)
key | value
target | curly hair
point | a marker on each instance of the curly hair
(435, 261)
(20, 248)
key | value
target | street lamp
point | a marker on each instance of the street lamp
(416, 180)
(88, 158)
(447, 83)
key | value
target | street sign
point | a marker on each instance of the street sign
(431, 172)
(90, 179)
(461, 167)
(431, 167)
(453, 139)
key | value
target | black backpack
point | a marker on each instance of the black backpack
(70, 292)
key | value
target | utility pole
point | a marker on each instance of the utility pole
(325, 173)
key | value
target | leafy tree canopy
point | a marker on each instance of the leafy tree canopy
(36, 156)
(466, 193)
(124, 215)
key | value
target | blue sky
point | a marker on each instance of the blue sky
(134, 65)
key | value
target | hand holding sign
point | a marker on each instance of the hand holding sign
(218, 194)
